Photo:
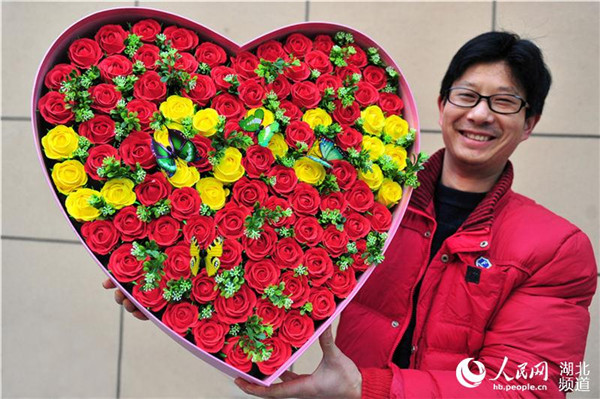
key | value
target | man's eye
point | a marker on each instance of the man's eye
(466, 96)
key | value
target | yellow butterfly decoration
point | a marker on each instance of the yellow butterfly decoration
(195, 254)
(213, 252)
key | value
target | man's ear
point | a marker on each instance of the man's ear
(528, 126)
(441, 104)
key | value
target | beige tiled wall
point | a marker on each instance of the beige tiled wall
(63, 335)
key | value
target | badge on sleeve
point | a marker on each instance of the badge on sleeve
(482, 262)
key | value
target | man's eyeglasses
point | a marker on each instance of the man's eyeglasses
(499, 103)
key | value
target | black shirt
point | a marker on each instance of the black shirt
(452, 208)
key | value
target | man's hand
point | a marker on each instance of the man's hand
(335, 377)
(122, 300)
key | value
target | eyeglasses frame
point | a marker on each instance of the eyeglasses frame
(488, 99)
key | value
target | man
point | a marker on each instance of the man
(477, 273)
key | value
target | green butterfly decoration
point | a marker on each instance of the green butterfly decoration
(179, 147)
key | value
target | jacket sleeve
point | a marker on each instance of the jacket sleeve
(544, 321)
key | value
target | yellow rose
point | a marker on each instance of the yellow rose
(60, 142)
(212, 192)
(309, 171)
(78, 205)
(395, 127)
(398, 155)
(230, 168)
(374, 179)
(315, 150)
(389, 193)
(278, 146)
(374, 146)
(267, 120)
(68, 176)
(118, 192)
(176, 108)
(316, 117)
(373, 120)
(162, 136)
(185, 176)
(206, 121)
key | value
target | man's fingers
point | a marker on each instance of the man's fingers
(294, 388)
(327, 344)
(119, 297)
(108, 284)
(288, 376)
(139, 315)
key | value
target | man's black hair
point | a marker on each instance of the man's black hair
(522, 56)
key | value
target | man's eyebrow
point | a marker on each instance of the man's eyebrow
(511, 89)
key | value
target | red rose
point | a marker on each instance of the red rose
(288, 253)
(211, 54)
(325, 81)
(105, 97)
(272, 203)
(346, 115)
(203, 146)
(349, 138)
(137, 148)
(53, 109)
(281, 352)
(297, 73)
(185, 203)
(323, 303)
(251, 93)
(285, 179)
(366, 94)
(319, 265)
(390, 104)
(219, 73)
(360, 197)
(319, 61)
(152, 299)
(229, 106)
(258, 160)
(202, 228)
(375, 76)
(113, 66)
(291, 110)
(130, 226)
(296, 328)
(204, 90)
(204, 288)
(150, 87)
(148, 54)
(296, 287)
(335, 241)
(334, 200)
(230, 220)
(96, 158)
(269, 313)
(342, 283)
(154, 188)
(177, 264)
(99, 130)
(280, 86)
(235, 356)
(261, 274)
(306, 94)
(308, 231)
(358, 59)
(84, 53)
(298, 45)
(323, 43)
(58, 74)
(144, 109)
(180, 317)
(356, 226)
(232, 254)
(345, 174)
(299, 131)
(146, 29)
(124, 266)
(186, 63)
(244, 64)
(359, 261)
(236, 309)
(165, 231)
(271, 51)
(345, 73)
(111, 38)
(181, 39)
(305, 199)
(261, 247)
(209, 335)
(248, 192)
(101, 236)
(381, 217)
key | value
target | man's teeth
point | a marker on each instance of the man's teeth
(477, 137)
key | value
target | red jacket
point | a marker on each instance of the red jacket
(530, 305)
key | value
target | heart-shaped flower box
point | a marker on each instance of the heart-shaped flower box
(88, 27)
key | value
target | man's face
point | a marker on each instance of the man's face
(478, 140)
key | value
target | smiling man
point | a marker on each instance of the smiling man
(477, 275)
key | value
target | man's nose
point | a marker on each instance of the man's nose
(481, 113)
